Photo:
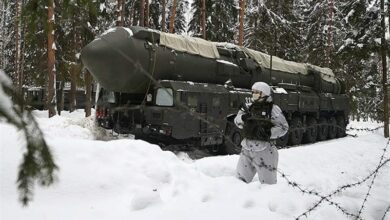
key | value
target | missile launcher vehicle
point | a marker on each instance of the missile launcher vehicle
(183, 91)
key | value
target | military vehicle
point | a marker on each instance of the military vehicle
(178, 90)
(35, 97)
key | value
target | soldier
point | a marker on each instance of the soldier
(262, 122)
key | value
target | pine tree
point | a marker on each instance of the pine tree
(142, 13)
(35, 19)
(156, 15)
(223, 24)
(180, 21)
(132, 7)
(18, 43)
(120, 13)
(241, 19)
(220, 20)
(172, 16)
(358, 55)
(178, 18)
(203, 18)
(272, 27)
(107, 16)
(88, 93)
(76, 32)
(37, 165)
(147, 10)
(5, 33)
(8, 42)
(3, 16)
(163, 23)
(195, 23)
(67, 40)
(51, 60)
(323, 25)
(384, 69)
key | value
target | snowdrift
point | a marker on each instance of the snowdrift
(132, 179)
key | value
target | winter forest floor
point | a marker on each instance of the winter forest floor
(132, 179)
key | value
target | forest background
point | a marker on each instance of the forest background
(40, 40)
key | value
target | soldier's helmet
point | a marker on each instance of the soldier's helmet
(261, 92)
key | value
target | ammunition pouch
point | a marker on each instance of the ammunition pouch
(258, 129)
(258, 125)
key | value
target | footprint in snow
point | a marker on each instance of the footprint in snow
(272, 206)
(144, 199)
(249, 204)
(206, 198)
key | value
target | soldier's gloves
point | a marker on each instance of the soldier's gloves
(266, 123)
(261, 131)
(265, 134)
(245, 117)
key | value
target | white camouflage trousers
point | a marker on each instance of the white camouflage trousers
(263, 162)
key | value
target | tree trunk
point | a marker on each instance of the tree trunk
(330, 34)
(147, 13)
(2, 34)
(23, 47)
(88, 93)
(141, 13)
(73, 73)
(163, 25)
(384, 72)
(241, 29)
(120, 18)
(51, 88)
(17, 44)
(72, 95)
(61, 98)
(173, 16)
(131, 16)
(135, 21)
(203, 21)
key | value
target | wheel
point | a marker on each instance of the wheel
(322, 132)
(296, 131)
(216, 149)
(282, 141)
(232, 139)
(332, 133)
(310, 135)
(341, 127)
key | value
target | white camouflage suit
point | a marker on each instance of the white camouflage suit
(256, 153)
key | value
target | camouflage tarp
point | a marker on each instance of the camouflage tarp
(191, 45)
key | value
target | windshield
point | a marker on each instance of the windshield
(106, 96)
(164, 97)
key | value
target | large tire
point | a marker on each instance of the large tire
(323, 128)
(310, 135)
(341, 127)
(332, 133)
(296, 131)
(232, 139)
(216, 149)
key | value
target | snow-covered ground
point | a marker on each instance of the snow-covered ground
(132, 179)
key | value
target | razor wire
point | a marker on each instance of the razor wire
(373, 180)
(364, 129)
(374, 173)
(384, 214)
(327, 198)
